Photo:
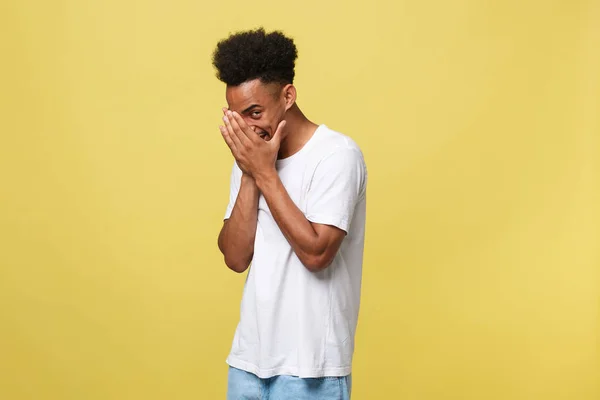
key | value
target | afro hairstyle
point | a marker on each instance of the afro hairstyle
(255, 54)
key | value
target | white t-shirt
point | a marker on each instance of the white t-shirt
(293, 321)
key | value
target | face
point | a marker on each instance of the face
(263, 106)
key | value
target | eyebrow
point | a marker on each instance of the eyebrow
(250, 108)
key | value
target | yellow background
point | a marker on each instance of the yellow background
(479, 123)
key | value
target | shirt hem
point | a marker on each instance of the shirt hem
(339, 222)
(288, 370)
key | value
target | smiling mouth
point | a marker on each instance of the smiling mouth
(263, 135)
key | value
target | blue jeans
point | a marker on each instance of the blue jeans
(243, 385)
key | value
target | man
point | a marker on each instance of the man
(296, 213)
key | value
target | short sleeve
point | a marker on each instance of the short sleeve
(234, 188)
(337, 186)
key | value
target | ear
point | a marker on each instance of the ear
(289, 96)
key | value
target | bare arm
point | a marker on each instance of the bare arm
(315, 244)
(236, 239)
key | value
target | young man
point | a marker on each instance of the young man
(296, 213)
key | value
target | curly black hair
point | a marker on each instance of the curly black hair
(253, 54)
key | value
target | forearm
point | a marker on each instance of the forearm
(236, 240)
(291, 221)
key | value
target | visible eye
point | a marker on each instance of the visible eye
(255, 114)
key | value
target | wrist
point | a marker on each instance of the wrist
(248, 183)
(264, 178)
(247, 179)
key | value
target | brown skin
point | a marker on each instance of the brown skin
(274, 128)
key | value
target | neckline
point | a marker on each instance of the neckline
(285, 161)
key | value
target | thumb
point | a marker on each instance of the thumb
(278, 135)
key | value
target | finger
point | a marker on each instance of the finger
(232, 134)
(244, 128)
(235, 119)
(277, 136)
(228, 140)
